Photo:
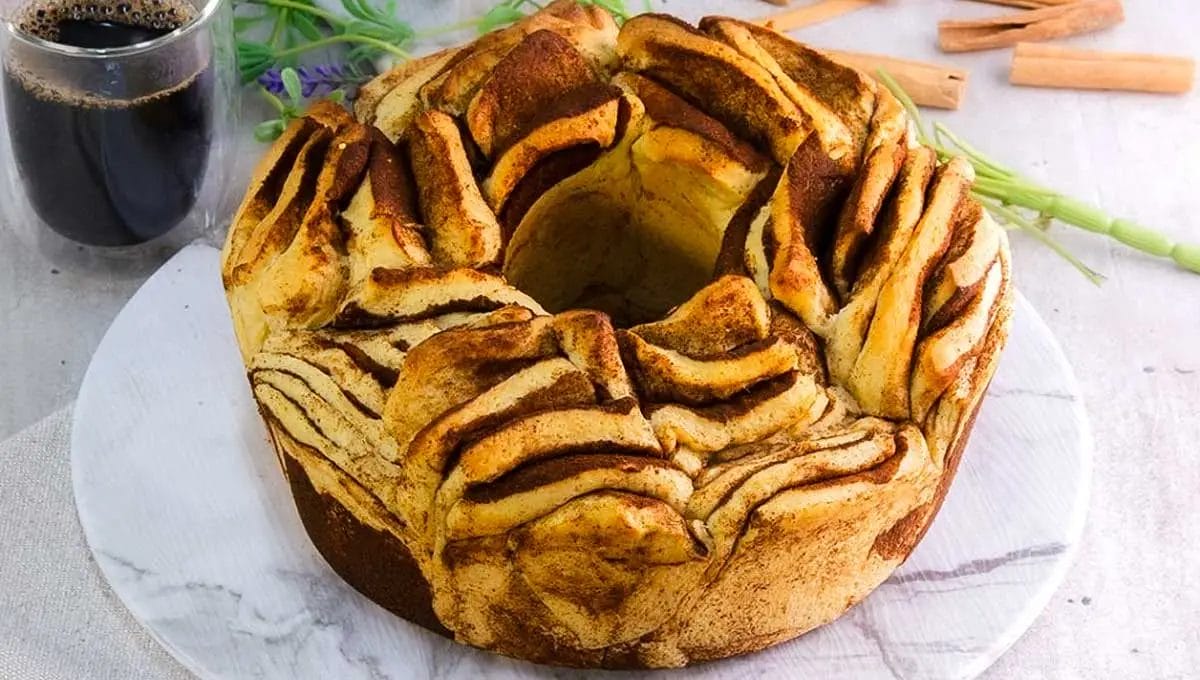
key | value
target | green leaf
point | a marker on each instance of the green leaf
(304, 24)
(292, 112)
(273, 100)
(268, 130)
(356, 9)
(248, 49)
(360, 27)
(356, 72)
(253, 59)
(241, 24)
(338, 96)
(402, 32)
(291, 84)
(616, 8)
(279, 31)
(363, 53)
(498, 16)
(248, 73)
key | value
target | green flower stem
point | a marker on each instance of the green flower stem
(275, 102)
(1007, 187)
(335, 39)
(277, 29)
(984, 164)
(1089, 218)
(1013, 218)
(451, 28)
(333, 19)
(1187, 255)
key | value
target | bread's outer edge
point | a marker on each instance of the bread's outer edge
(374, 562)
(379, 565)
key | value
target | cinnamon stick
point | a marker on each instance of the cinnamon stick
(933, 85)
(1054, 66)
(1028, 4)
(1034, 25)
(815, 13)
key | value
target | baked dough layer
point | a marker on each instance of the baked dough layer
(616, 347)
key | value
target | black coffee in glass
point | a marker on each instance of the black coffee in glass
(113, 170)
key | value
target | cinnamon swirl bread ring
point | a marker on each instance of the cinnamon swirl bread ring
(617, 347)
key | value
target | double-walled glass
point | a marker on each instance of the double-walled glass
(116, 152)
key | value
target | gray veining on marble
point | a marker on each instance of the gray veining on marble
(192, 524)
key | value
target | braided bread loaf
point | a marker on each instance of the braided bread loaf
(620, 347)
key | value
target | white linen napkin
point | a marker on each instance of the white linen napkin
(58, 618)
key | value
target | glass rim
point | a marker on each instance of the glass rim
(207, 11)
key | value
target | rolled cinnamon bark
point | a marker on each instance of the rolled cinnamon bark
(815, 13)
(1028, 4)
(935, 85)
(1054, 66)
(1084, 16)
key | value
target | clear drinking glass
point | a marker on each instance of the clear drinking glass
(119, 116)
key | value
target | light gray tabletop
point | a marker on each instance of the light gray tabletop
(1130, 608)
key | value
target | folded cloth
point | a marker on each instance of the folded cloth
(60, 619)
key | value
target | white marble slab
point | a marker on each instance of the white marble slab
(191, 522)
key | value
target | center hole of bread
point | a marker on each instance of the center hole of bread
(633, 235)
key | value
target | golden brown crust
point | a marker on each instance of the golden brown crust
(541, 79)
(667, 108)
(843, 91)
(463, 230)
(392, 183)
(743, 317)
(821, 308)
(370, 96)
(745, 97)
(800, 211)
(857, 222)
(548, 171)
(588, 118)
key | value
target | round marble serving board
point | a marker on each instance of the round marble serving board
(190, 520)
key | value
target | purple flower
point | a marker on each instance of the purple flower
(315, 81)
(272, 81)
